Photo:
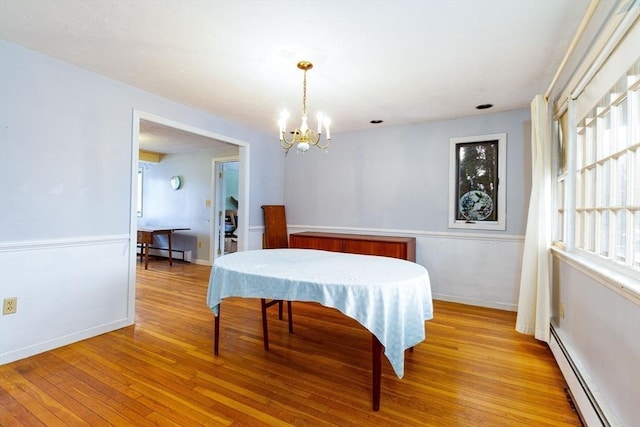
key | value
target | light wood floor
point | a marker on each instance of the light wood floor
(472, 370)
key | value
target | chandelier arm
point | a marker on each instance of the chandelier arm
(323, 146)
(312, 137)
(285, 144)
(296, 137)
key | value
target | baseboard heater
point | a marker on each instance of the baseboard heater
(589, 411)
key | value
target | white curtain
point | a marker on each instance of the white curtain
(534, 305)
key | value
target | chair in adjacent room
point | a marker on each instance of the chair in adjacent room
(230, 227)
(275, 237)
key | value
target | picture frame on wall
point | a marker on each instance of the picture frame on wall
(477, 182)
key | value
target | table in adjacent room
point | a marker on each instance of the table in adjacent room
(145, 238)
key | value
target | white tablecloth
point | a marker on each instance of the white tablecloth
(388, 296)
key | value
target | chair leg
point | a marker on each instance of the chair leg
(265, 329)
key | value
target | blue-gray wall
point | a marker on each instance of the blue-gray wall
(395, 180)
(67, 232)
(398, 177)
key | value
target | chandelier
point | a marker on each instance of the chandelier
(303, 137)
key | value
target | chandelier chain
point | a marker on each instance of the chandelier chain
(304, 94)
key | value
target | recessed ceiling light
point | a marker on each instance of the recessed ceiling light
(375, 122)
(484, 106)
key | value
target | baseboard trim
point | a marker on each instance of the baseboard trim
(61, 341)
(475, 302)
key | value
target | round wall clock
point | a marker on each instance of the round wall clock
(175, 182)
(475, 205)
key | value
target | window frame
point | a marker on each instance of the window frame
(501, 182)
(604, 163)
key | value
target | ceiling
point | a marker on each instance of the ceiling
(397, 61)
(158, 138)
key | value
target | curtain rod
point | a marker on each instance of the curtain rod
(583, 25)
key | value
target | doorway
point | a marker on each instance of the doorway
(226, 219)
(210, 139)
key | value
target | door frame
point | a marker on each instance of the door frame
(218, 203)
(244, 155)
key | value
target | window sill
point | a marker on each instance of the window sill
(622, 284)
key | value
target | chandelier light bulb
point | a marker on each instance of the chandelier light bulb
(327, 122)
(284, 115)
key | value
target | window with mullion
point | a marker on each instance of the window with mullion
(607, 187)
(561, 141)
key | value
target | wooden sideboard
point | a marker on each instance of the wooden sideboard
(391, 246)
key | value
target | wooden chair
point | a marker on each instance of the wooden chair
(275, 237)
(275, 227)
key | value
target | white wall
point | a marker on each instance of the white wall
(66, 235)
(394, 180)
(600, 329)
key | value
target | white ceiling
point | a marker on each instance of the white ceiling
(158, 138)
(398, 61)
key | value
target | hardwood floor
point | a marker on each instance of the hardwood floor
(472, 370)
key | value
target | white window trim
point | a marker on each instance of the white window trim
(500, 224)
(617, 280)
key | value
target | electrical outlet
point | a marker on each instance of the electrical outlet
(561, 310)
(10, 305)
(199, 244)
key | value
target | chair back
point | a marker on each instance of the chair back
(275, 227)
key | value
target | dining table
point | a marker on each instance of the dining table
(390, 297)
